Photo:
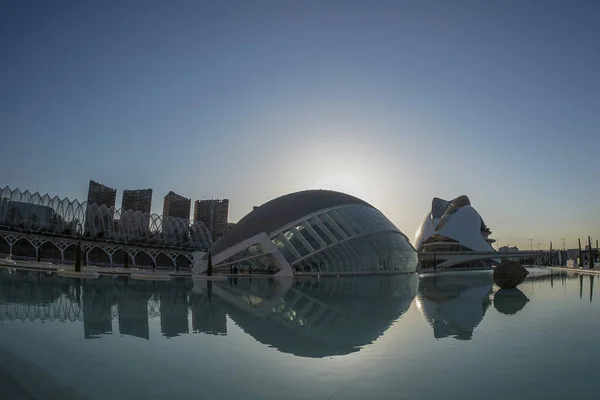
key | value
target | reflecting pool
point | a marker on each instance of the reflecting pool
(450, 335)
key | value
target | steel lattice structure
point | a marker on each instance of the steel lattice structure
(54, 216)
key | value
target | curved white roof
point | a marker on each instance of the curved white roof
(456, 220)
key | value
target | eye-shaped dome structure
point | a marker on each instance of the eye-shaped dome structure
(453, 225)
(314, 232)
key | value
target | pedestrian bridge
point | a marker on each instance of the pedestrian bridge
(451, 258)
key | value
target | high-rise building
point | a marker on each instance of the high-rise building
(101, 194)
(176, 206)
(137, 200)
(133, 201)
(213, 214)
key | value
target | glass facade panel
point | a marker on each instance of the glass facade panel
(346, 240)
(292, 237)
(350, 215)
(310, 239)
(284, 248)
(331, 227)
(339, 221)
(321, 230)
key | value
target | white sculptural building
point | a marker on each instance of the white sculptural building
(313, 232)
(454, 226)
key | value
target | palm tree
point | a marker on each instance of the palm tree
(78, 256)
(209, 270)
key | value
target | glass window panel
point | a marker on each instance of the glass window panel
(325, 236)
(339, 221)
(294, 241)
(313, 235)
(326, 266)
(310, 239)
(330, 226)
(349, 215)
(284, 248)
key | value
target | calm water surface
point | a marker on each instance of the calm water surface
(454, 336)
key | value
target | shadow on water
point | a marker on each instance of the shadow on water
(306, 317)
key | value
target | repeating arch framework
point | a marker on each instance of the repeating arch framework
(46, 215)
(115, 253)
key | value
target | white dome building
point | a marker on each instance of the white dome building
(453, 226)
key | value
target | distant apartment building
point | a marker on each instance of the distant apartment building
(509, 249)
(176, 206)
(137, 200)
(133, 201)
(213, 214)
(100, 195)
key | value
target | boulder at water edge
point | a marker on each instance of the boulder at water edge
(509, 274)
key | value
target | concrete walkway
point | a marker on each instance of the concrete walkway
(578, 270)
(53, 268)
(89, 271)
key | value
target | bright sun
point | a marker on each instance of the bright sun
(344, 182)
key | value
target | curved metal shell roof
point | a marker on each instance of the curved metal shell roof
(281, 211)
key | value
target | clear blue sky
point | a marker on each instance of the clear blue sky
(393, 101)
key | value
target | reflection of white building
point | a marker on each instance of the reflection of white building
(313, 232)
(454, 226)
(455, 303)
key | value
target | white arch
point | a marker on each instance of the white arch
(262, 240)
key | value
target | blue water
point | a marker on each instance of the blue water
(450, 336)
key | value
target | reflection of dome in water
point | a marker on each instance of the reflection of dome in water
(455, 303)
(509, 301)
(327, 317)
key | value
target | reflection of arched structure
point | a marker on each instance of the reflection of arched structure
(319, 318)
(31, 296)
(310, 318)
(455, 303)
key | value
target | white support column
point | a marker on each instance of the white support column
(11, 242)
(133, 253)
(36, 243)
